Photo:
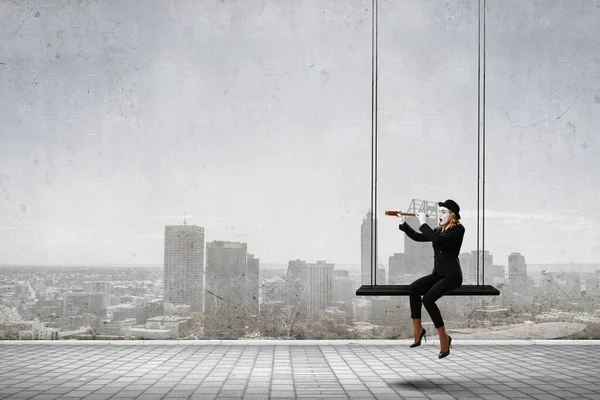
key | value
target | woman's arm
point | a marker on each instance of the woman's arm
(453, 235)
(410, 232)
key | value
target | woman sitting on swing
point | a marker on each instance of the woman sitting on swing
(446, 240)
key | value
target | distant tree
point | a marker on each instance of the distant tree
(10, 333)
(96, 326)
(317, 331)
(300, 331)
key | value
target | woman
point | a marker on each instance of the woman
(446, 240)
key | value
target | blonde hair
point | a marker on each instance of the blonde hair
(452, 221)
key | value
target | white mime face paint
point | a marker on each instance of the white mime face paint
(443, 215)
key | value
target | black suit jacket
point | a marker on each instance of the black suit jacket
(446, 246)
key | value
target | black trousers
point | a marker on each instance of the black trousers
(431, 287)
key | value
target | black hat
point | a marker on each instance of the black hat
(452, 206)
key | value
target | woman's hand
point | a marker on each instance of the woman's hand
(400, 217)
(422, 218)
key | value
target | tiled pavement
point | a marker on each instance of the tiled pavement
(297, 369)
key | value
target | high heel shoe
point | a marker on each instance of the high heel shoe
(416, 344)
(446, 353)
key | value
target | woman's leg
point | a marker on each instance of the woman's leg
(435, 293)
(444, 338)
(417, 328)
(415, 290)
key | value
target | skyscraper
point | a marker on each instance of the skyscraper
(365, 250)
(310, 286)
(252, 284)
(184, 266)
(468, 263)
(297, 281)
(397, 268)
(226, 264)
(320, 288)
(517, 273)
(380, 274)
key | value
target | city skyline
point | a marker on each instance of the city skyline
(254, 119)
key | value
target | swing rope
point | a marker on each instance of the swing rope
(481, 137)
(374, 70)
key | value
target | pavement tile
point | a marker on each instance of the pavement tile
(354, 371)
